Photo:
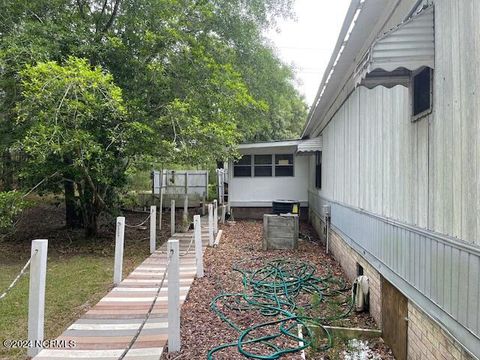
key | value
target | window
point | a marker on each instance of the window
(284, 165)
(318, 169)
(262, 165)
(421, 92)
(243, 167)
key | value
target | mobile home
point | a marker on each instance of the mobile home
(397, 117)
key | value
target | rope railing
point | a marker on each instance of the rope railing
(186, 252)
(189, 246)
(17, 278)
(149, 312)
(140, 224)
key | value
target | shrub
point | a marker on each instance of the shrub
(12, 204)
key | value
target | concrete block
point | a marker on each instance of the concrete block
(280, 232)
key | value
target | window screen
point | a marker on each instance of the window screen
(318, 169)
(243, 167)
(421, 87)
(262, 165)
(284, 165)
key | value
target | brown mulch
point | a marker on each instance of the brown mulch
(241, 243)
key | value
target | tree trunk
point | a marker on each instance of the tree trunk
(72, 217)
(91, 225)
(89, 211)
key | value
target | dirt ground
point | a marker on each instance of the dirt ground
(79, 270)
(47, 221)
(241, 246)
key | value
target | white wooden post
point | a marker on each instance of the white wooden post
(153, 229)
(186, 182)
(185, 209)
(224, 213)
(173, 296)
(172, 217)
(36, 294)
(215, 216)
(197, 226)
(119, 241)
(206, 184)
(160, 210)
(210, 225)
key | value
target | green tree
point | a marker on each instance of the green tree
(76, 125)
(196, 78)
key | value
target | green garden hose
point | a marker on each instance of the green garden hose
(273, 291)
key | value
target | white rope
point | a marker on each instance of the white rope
(186, 251)
(137, 334)
(189, 246)
(14, 282)
(138, 225)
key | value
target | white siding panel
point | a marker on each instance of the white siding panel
(425, 173)
(375, 158)
(455, 127)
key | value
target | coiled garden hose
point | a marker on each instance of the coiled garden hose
(272, 291)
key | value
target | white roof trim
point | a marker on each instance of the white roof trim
(298, 146)
(271, 144)
(347, 27)
(410, 45)
(360, 25)
(310, 145)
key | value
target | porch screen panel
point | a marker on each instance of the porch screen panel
(243, 167)
(263, 165)
(284, 165)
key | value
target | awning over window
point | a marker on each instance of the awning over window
(309, 146)
(405, 48)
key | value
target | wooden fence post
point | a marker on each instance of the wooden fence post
(210, 225)
(172, 217)
(119, 241)
(36, 295)
(153, 229)
(215, 216)
(197, 226)
(173, 296)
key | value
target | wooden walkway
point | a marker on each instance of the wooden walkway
(105, 331)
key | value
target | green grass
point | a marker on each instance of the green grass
(73, 285)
